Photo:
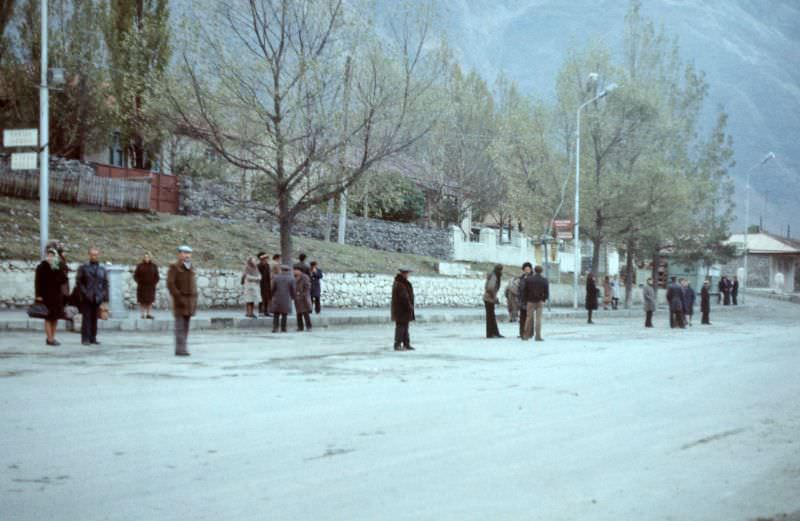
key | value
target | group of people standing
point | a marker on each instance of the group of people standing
(272, 287)
(728, 291)
(525, 295)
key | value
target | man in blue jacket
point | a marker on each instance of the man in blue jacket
(92, 283)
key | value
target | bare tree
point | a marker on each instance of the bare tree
(267, 94)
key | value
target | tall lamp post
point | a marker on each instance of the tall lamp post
(44, 138)
(602, 94)
(746, 281)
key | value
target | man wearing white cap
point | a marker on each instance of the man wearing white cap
(182, 285)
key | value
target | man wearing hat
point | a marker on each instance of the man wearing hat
(182, 286)
(402, 309)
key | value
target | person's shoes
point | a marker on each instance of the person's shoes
(409, 348)
(283, 331)
(182, 353)
(95, 342)
(85, 342)
(397, 347)
(150, 317)
(589, 322)
(267, 315)
(53, 342)
(274, 330)
(540, 339)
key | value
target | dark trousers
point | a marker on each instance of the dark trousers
(89, 322)
(648, 319)
(727, 299)
(181, 333)
(705, 319)
(676, 319)
(401, 334)
(303, 317)
(734, 296)
(317, 304)
(263, 307)
(491, 321)
(279, 319)
(523, 315)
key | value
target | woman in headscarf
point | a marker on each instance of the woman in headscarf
(146, 277)
(251, 283)
(49, 288)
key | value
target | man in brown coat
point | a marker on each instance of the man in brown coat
(302, 298)
(182, 286)
(402, 309)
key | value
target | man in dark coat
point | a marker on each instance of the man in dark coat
(727, 287)
(675, 301)
(182, 286)
(720, 289)
(705, 303)
(735, 290)
(527, 271)
(266, 283)
(591, 296)
(402, 309)
(688, 301)
(490, 299)
(92, 282)
(649, 302)
(283, 293)
(316, 287)
(302, 299)
(535, 293)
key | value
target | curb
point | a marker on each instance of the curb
(322, 321)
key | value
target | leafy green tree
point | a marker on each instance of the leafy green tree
(387, 196)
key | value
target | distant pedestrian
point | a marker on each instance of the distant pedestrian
(527, 271)
(302, 265)
(727, 287)
(251, 287)
(535, 293)
(688, 301)
(146, 278)
(606, 292)
(705, 303)
(615, 292)
(283, 294)
(720, 289)
(70, 308)
(675, 301)
(92, 282)
(265, 270)
(490, 300)
(48, 289)
(591, 296)
(302, 299)
(649, 302)
(316, 287)
(512, 298)
(182, 286)
(402, 309)
(735, 290)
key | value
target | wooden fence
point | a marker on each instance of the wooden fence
(164, 195)
(126, 194)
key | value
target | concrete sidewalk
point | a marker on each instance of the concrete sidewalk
(17, 320)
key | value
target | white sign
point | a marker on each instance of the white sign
(23, 161)
(21, 137)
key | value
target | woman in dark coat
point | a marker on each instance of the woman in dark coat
(402, 310)
(146, 277)
(591, 295)
(705, 303)
(282, 289)
(50, 279)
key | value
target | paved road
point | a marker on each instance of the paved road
(610, 421)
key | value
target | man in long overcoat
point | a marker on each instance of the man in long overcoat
(675, 301)
(182, 286)
(649, 302)
(490, 300)
(266, 282)
(402, 309)
(591, 296)
(705, 303)
(302, 299)
(283, 292)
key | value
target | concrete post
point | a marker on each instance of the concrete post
(116, 291)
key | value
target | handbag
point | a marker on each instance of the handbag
(38, 310)
(104, 312)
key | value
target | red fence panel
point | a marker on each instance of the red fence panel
(164, 192)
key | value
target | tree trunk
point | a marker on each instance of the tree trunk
(285, 220)
(654, 274)
(628, 275)
(596, 243)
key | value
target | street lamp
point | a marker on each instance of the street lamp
(746, 280)
(609, 88)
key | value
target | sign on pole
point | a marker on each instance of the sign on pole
(23, 161)
(562, 229)
(21, 137)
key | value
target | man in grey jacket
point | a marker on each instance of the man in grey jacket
(92, 283)
(649, 299)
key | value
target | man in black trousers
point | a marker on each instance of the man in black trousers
(705, 303)
(92, 283)
(675, 301)
(402, 309)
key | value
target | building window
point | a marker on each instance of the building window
(116, 155)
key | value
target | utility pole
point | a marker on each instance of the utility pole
(343, 196)
(44, 138)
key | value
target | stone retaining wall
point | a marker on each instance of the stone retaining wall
(222, 288)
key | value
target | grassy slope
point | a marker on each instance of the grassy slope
(123, 237)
